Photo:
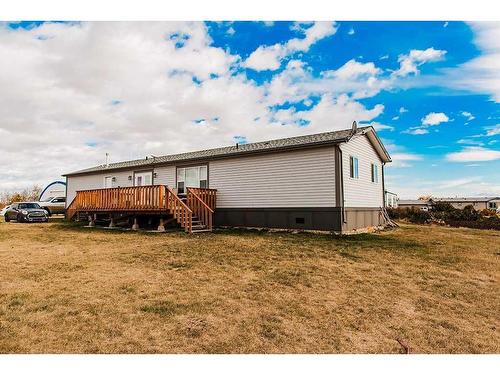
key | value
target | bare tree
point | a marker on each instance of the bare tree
(29, 194)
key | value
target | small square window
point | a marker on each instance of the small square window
(300, 220)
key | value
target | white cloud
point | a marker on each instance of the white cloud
(468, 141)
(493, 130)
(395, 118)
(354, 69)
(270, 57)
(133, 89)
(433, 119)
(231, 31)
(473, 154)
(445, 24)
(468, 115)
(402, 110)
(378, 126)
(265, 58)
(351, 31)
(402, 159)
(296, 82)
(454, 183)
(409, 63)
(480, 74)
(332, 113)
(416, 131)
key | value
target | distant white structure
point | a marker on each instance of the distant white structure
(53, 190)
(391, 199)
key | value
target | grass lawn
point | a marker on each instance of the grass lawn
(77, 290)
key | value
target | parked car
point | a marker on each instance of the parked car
(2, 212)
(26, 212)
(54, 205)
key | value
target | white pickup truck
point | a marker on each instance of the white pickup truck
(54, 205)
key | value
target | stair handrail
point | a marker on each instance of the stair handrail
(209, 196)
(180, 211)
(70, 211)
(200, 208)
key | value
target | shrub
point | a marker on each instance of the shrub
(444, 213)
(487, 212)
(443, 207)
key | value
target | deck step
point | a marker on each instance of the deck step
(201, 230)
(199, 226)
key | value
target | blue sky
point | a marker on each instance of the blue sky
(431, 89)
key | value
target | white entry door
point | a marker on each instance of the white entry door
(108, 182)
(143, 178)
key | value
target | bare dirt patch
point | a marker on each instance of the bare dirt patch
(65, 289)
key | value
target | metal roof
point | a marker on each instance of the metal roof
(413, 202)
(266, 146)
(469, 199)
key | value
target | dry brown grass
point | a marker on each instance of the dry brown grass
(75, 290)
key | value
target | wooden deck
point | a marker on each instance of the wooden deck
(196, 208)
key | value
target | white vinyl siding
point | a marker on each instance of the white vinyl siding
(361, 191)
(165, 176)
(301, 178)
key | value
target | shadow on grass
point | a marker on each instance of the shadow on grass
(83, 228)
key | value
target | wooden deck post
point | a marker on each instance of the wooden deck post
(111, 222)
(136, 224)
(161, 227)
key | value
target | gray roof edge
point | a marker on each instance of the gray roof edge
(152, 162)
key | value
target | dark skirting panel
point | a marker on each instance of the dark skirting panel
(312, 218)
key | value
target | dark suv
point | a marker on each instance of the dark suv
(26, 212)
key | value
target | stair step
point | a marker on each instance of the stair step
(201, 230)
(199, 226)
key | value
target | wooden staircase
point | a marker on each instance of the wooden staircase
(193, 211)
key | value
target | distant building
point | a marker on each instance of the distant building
(479, 203)
(391, 199)
(418, 204)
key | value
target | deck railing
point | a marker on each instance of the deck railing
(179, 210)
(209, 196)
(200, 207)
(137, 198)
(152, 198)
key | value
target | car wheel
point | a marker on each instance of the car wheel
(7, 219)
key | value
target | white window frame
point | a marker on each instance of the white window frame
(374, 173)
(180, 176)
(143, 173)
(355, 167)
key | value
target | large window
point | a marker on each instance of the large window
(492, 205)
(192, 177)
(374, 173)
(354, 167)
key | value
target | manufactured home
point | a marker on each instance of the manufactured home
(478, 203)
(330, 181)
